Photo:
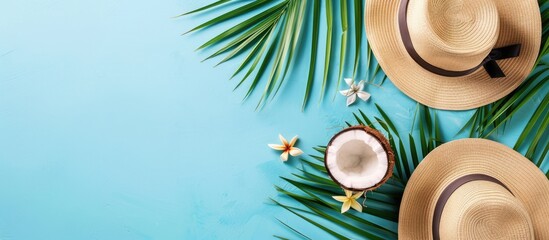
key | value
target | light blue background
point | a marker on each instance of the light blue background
(112, 128)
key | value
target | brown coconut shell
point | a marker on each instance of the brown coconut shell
(384, 143)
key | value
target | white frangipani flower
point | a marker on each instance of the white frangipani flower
(286, 148)
(349, 201)
(354, 91)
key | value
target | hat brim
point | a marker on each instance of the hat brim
(520, 22)
(453, 160)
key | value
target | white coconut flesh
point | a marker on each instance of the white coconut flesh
(357, 160)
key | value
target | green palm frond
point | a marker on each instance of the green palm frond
(315, 187)
(344, 35)
(494, 117)
(311, 188)
(269, 39)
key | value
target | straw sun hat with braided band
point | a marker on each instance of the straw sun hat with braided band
(455, 54)
(475, 189)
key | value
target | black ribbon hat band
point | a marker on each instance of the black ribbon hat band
(489, 63)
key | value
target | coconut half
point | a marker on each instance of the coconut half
(359, 159)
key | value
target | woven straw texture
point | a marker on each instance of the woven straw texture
(479, 209)
(455, 35)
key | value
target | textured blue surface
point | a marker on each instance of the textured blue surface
(112, 128)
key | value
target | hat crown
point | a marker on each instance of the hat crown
(453, 34)
(485, 210)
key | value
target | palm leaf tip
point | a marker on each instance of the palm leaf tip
(314, 49)
(209, 6)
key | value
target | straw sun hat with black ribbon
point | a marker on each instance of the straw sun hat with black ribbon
(455, 54)
(475, 189)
